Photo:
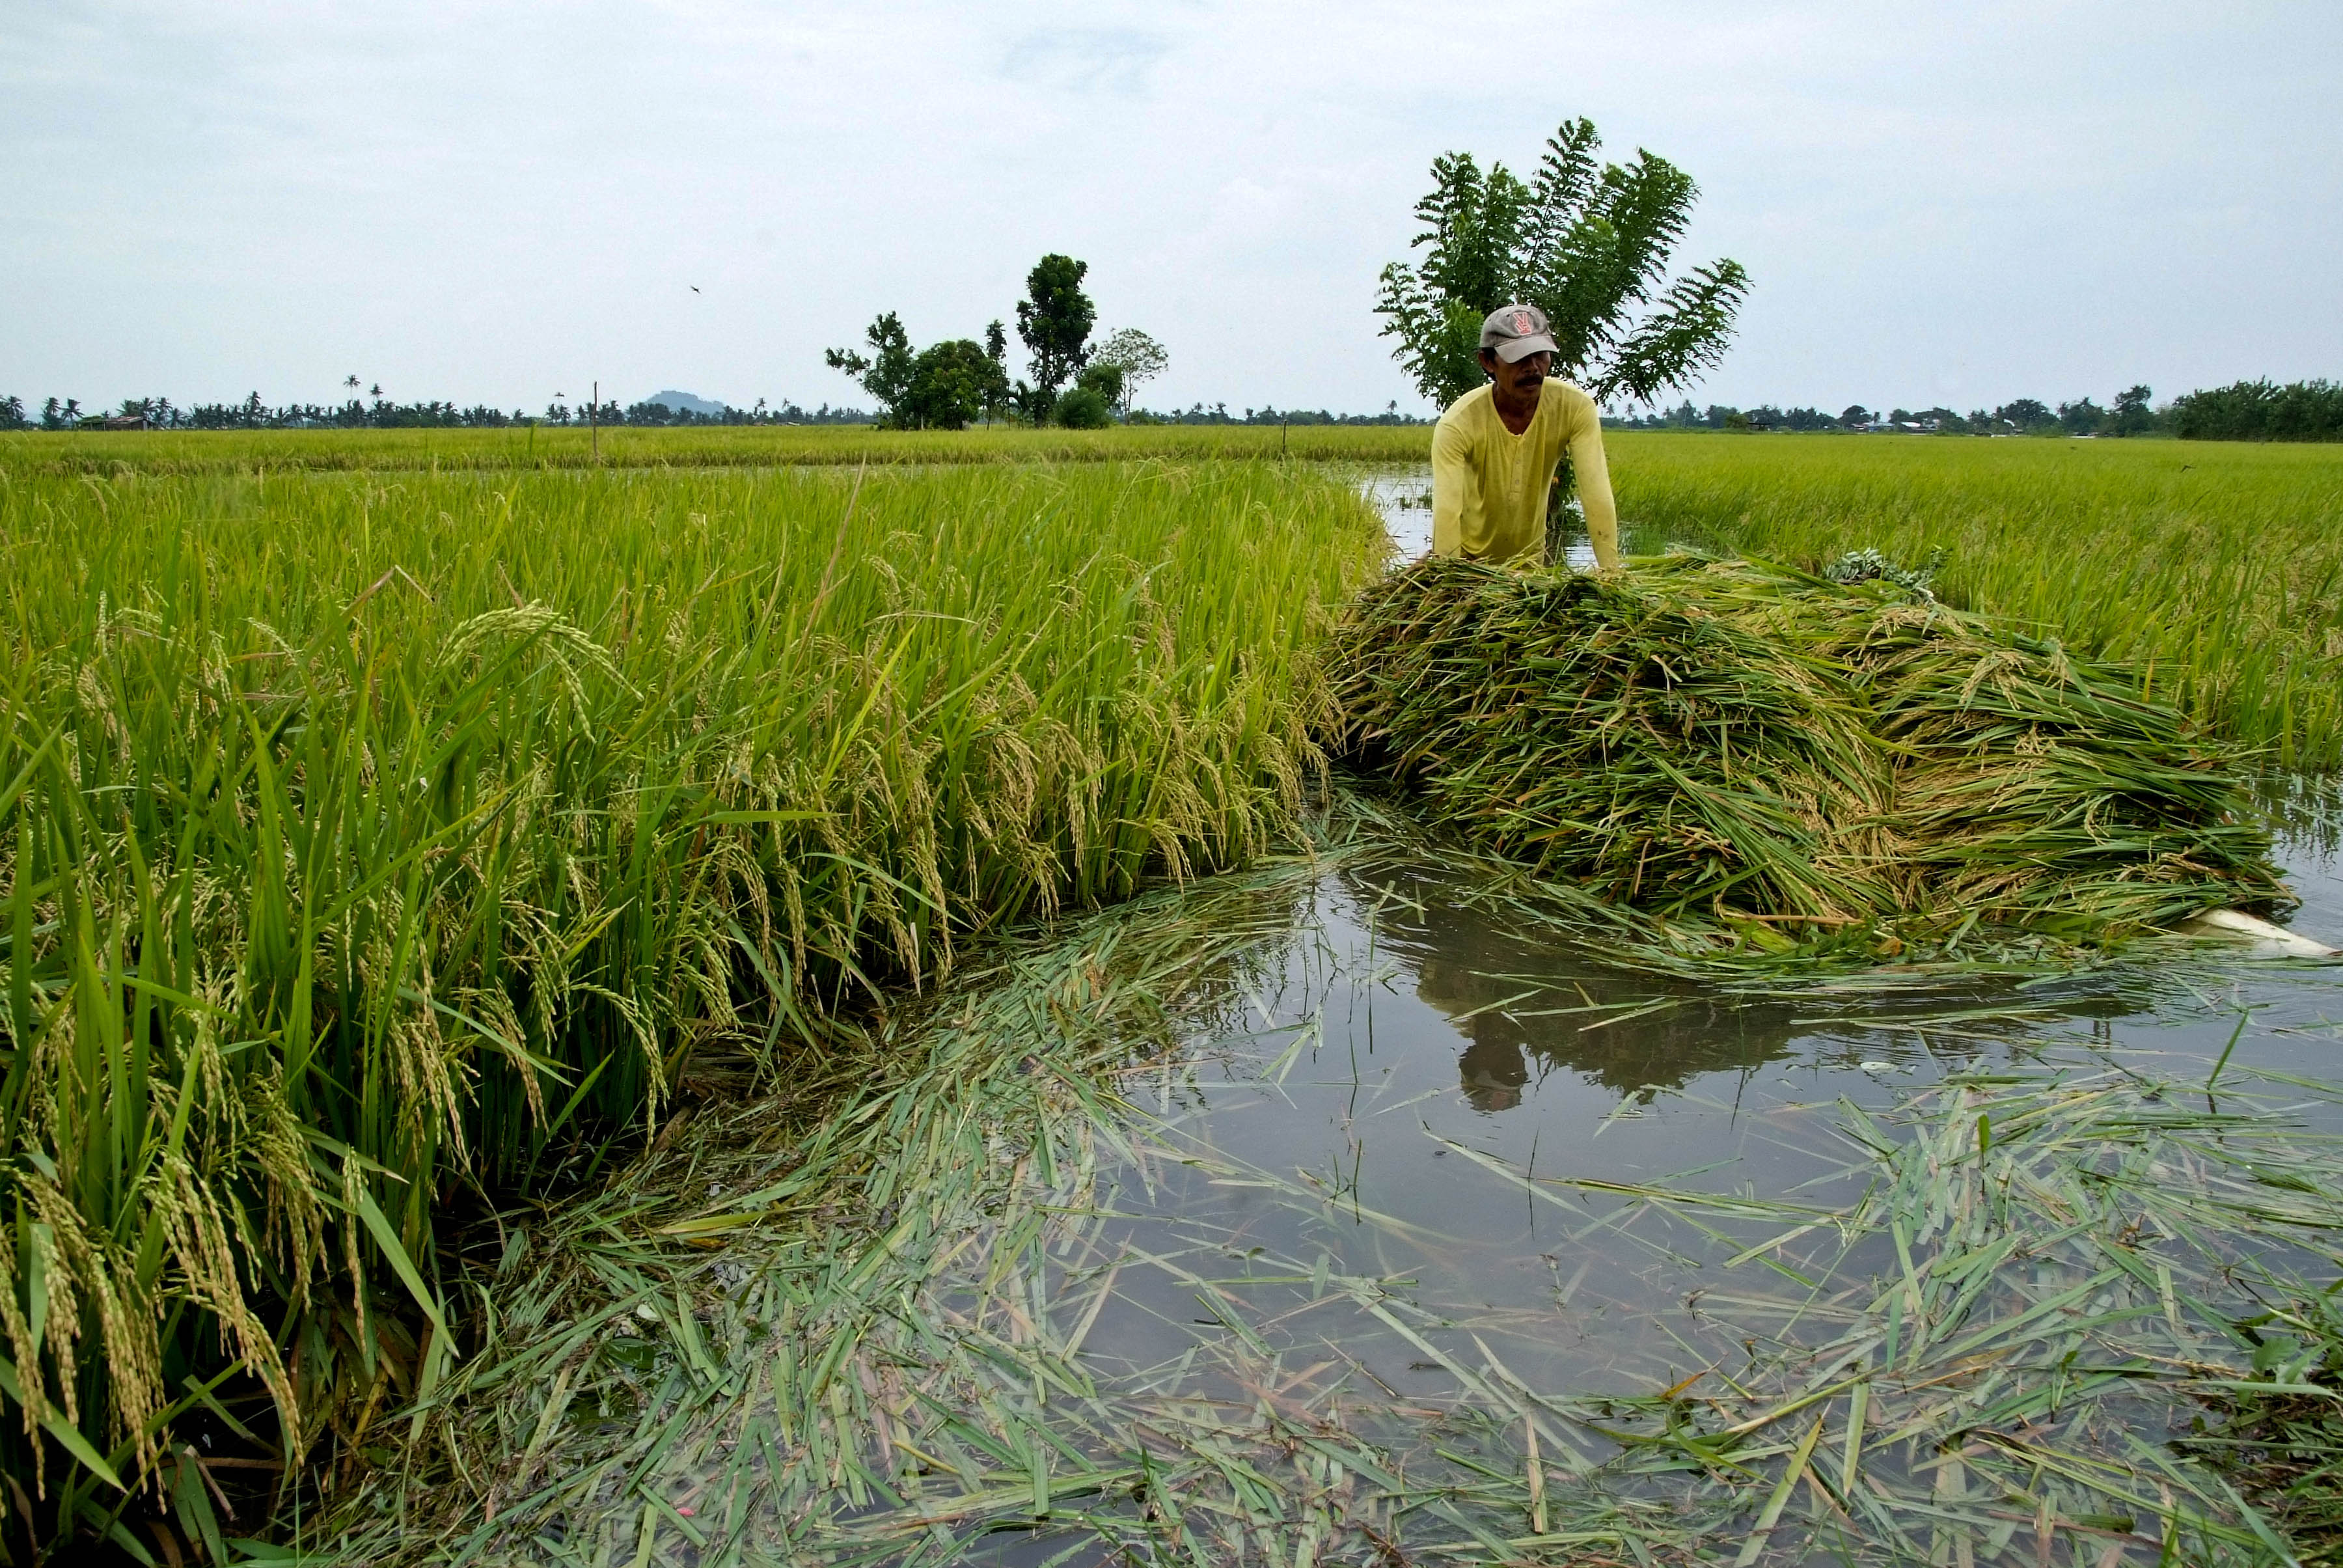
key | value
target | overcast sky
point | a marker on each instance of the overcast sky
(1957, 203)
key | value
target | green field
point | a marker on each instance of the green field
(391, 823)
(689, 446)
(2215, 567)
(378, 845)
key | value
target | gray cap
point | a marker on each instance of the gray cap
(1515, 332)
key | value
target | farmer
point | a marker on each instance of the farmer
(1495, 451)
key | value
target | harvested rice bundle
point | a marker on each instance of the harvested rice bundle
(1742, 741)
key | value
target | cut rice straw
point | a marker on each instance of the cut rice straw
(871, 1337)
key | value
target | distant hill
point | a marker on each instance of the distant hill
(685, 402)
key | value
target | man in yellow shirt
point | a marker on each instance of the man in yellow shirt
(1494, 452)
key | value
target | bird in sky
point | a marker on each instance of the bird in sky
(695, 288)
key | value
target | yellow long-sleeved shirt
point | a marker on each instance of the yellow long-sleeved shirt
(1489, 485)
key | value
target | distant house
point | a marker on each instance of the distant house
(126, 422)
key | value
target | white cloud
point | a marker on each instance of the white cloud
(492, 201)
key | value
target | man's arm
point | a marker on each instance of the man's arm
(1593, 479)
(1455, 492)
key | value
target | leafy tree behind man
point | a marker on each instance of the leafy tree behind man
(1589, 245)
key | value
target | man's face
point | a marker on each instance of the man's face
(1520, 381)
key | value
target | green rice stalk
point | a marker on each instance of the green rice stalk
(1759, 751)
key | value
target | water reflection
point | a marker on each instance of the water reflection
(1522, 1009)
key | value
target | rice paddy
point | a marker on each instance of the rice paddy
(378, 845)
(1227, 1275)
(2213, 568)
(689, 1010)
(191, 453)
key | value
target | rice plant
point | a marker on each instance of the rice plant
(374, 845)
(186, 452)
(2213, 570)
(1774, 753)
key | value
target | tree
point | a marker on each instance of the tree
(886, 374)
(2131, 415)
(12, 413)
(951, 383)
(1139, 358)
(1854, 417)
(1588, 244)
(1106, 380)
(1082, 408)
(2025, 414)
(1054, 321)
(941, 387)
(995, 349)
(2081, 418)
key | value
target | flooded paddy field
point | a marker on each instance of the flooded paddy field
(1352, 1209)
(1355, 1216)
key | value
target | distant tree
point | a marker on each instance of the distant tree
(1944, 421)
(1081, 408)
(2262, 411)
(12, 413)
(995, 349)
(2081, 418)
(1106, 380)
(951, 384)
(1139, 358)
(887, 371)
(1981, 421)
(1054, 321)
(2025, 414)
(2131, 415)
(1587, 243)
(1854, 415)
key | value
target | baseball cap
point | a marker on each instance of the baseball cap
(1515, 332)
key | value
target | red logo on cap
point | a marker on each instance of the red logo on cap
(1521, 324)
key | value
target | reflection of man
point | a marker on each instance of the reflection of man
(1494, 452)
(1491, 1071)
